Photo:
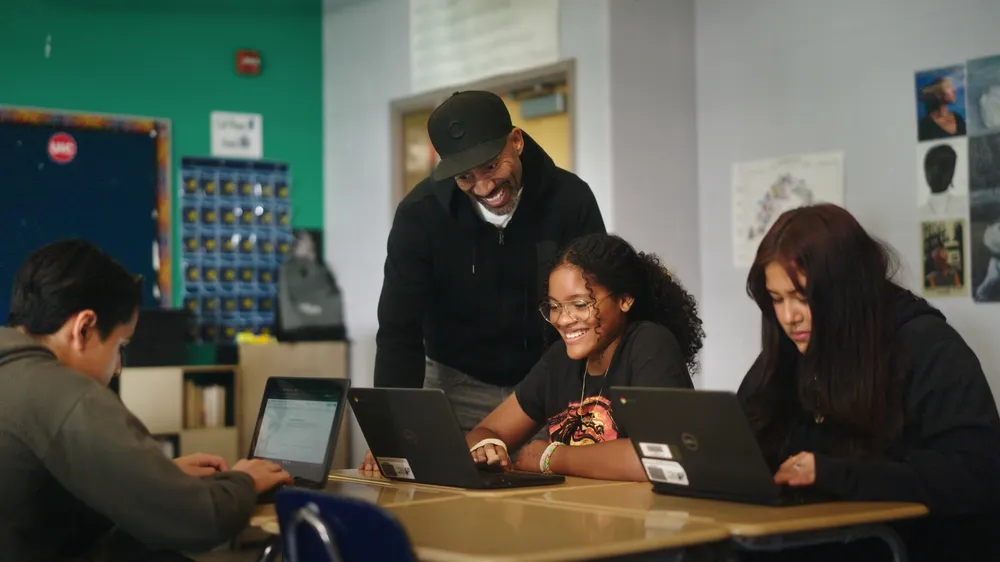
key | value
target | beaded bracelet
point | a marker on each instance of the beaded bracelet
(543, 462)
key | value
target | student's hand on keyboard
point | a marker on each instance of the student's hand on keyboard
(798, 470)
(490, 455)
(200, 464)
(265, 474)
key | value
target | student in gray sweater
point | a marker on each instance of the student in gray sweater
(77, 467)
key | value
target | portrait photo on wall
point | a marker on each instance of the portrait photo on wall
(943, 178)
(940, 95)
(944, 258)
(984, 217)
(984, 95)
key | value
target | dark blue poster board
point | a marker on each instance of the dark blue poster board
(59, 181)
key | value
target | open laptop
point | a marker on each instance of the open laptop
(297, 427)
(699, 444)
(414, 436)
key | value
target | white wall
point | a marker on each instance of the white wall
(653, 131)
(790, 76)
(365, 67)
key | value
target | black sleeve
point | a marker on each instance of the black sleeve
(399, 355)
(589, 219)
(657, 360)
(532, 392)
(105, 457)
(953, 470)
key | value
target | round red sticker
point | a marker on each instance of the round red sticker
(62, 148)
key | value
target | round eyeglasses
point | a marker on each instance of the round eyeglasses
(579, 310)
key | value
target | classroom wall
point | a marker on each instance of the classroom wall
(781, 77)
(359, 84)
(652, 104)
(174, 59)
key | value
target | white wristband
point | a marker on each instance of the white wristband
(489, 441)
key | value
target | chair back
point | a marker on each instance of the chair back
(319, 527)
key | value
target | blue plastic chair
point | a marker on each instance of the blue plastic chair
(318, 527)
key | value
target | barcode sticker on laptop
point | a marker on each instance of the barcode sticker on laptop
(658, 450)
(395, 468)
(669, 472)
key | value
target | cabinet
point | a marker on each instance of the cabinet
(189, 409)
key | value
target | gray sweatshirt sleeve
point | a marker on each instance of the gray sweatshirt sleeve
(104, 456)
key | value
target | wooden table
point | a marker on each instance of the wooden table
(751, 526)
(586, 519)
(445, 526)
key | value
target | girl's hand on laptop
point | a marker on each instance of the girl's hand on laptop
(798, 470)
(491, 454)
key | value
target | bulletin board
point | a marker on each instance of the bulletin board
(103, 178)
(236, 231)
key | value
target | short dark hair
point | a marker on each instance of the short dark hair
(67, 277)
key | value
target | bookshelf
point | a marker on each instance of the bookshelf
(213, 409)
(188, 409)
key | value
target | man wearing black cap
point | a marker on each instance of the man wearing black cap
(467, 253)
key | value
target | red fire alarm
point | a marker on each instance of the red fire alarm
(248, 62)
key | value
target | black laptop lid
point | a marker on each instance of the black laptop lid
(414, 435)
(694, 441)
(298, 425)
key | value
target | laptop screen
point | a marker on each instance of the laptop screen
(295, 425)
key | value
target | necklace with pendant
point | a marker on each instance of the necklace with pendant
(817, 416)
(583, 386)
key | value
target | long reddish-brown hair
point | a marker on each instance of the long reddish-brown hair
(846, 374)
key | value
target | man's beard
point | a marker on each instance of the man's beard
(513, 195)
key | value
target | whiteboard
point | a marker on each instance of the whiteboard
(459, 41)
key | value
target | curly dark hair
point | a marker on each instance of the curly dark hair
(610, 261)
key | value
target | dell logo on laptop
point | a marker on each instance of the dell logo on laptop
(689, 441)
(410, 437)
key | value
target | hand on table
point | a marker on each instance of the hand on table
(201, 464)
(368, 465)
(265, 474)
(798, 470)
(491, 454)
(530, 455)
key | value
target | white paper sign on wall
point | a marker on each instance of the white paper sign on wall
(237, 135)
(454, 42)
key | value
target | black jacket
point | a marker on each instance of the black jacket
(464, 293)
(947, 456)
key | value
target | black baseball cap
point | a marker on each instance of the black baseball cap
(468, 130)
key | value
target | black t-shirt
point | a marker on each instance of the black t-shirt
(648, 355)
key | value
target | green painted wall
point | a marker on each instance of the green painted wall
(174, 59)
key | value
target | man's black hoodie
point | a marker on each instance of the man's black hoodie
(464, 292)
(947, 456)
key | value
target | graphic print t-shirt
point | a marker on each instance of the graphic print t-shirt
(648, 356)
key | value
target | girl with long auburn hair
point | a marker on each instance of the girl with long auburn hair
(863, 391)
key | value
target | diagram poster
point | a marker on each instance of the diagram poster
(763, 189)
(943, 254)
